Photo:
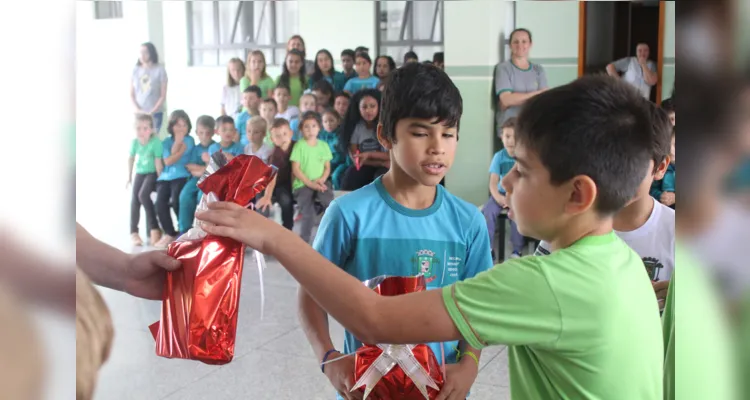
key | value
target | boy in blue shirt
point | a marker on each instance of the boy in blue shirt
(227, 134)
(190, 194)
(500, 166)
(251, 98)
(364, 79)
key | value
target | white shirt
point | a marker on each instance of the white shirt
(291, 113)
(653, 241)
(264, 152)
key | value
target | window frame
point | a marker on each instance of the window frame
(408, 23)
(108, 9)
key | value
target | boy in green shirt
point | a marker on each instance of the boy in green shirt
(579, 323)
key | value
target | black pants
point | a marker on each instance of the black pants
(283, 196)
(168, 194)
(354, 179)
(143, 185)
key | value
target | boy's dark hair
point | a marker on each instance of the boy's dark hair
(510, 123)
(206, 121)
(668, 105)
(142, 117)
(224, 119)
(349, 53)
(308, 116)
(353, 117)
(662, 135)
(342, 94)
(254, 89)
(361, 49)
(285, 75)
(176, 116)
(419, 91)
(365, 56)
(510, 38)
(598, 126)
(409, 55)
(324, 87)
(283, 86)
(438, 57)
(270, 101)
(332, 111)
(279, 122)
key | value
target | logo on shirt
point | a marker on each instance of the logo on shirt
(653, 267)
(424, 263)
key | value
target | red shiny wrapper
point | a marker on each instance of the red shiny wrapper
(396, 384)
(201, 299)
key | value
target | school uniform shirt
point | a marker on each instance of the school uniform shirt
(356, 84)
(501, 164)
(510, 78)
(266, 86)
(295, 89)
(264, 152)
(579, 323)
(338, 81)
(231, 99)
(198, 150)
(294, 125)
(332, 138)
(290, 114)
(312, 160)
(145, 155)
(280, 160)
(177, 170)
(234, 149)
(240, 123)
(446, 242)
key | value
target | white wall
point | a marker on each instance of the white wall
(321, 32)
(554, 25)
(479, 45)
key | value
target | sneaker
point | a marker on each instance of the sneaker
(136, 239)
(155, 236)
(164, 242)
(515, 255)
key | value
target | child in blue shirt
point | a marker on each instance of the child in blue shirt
(500, 166)
(190, 194)
(330, 135)
(227, 134)
(251, 98)
(364, 79)
(177, 151)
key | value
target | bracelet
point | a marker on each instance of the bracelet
(325, 357)
(460, 355)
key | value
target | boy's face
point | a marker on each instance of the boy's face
(310, 129)
(330, 122)
(267, 111)
(282, 97)
(341, 104)
(307, 103)
(281, 135)
(422, 149)
(205, 134)
(250, 101)
(671, 118)
(362, 67)
(143, 131)
(227, 132)
(509, 141)
(347, 62)
(255, 135)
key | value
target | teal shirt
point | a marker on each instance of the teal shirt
(667, 184)
(501, 164)
(356, 84)
(446, 242)
(198, 150)
(332, 138)
(234, 149)
(338, 81)
(241, 124)
(177, 170)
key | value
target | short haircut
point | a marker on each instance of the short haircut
(438, 57)
(270, 101)
(323, 86)
(279, 122)
(253, 89)
(662, 135)
(598, 126)
(333, 112)
(509, 123)
(282, 86)
(142, 117)
(176, 116)
(308, 116)
(668, 105)
(409, 55)
(342, 94)
(309, 95)
(206, 121)
(419, 91)
(348, 53)
(224, 119)
(528, 32)
(364, 56)
(361, 49)
(258, 122)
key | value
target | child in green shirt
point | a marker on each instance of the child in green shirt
(148, 165)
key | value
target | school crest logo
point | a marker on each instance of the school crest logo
(424, 263)
(653, 267)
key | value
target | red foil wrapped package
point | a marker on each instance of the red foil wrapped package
(386, 371)
(201, 299)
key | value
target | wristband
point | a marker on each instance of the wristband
(325, 357)
(460, 355)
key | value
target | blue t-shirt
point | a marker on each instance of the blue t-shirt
(241, 124)
(338, 81)
(446, 242)
(356, 84)
(294, 125)
(332, 138)
(177, 170)
(197, 156)
(501, 164)
(234, 149)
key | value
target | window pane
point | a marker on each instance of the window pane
(391, 20)
(424, 13)
(426, 52)
(203, 23)
(287, 20)
(203, 58)
(397, 52)
(227, 15)
(107, 9)
(228, 54)
(438, 34)
(262, 22)
(280, 56)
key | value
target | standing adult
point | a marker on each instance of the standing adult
(638, 71)
(296, 42)
(517, 79)
(148, 88)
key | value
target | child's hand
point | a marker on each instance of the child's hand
(263, 204)
(128, 183)
(228, 156)
(247, 226)
(206, 158)
(458, 379)
(362, 157)
(501, 200)
(341, 375)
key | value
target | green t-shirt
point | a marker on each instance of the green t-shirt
(312, 160)
(295, 89)
(146, 155)
(266, 86)
(580, 323)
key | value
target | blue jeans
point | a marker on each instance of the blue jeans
(189, 198)
(158, 118)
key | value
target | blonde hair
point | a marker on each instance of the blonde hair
(263, 73)
(258, 122)
(230, 81)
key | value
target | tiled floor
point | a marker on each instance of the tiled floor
(272, 360)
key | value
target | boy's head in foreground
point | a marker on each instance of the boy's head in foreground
(582, 150)
(281, 132)
(509, 136)
(419, 120)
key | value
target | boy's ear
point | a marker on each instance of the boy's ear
(583, 192)
(661, 169)
(383, 141)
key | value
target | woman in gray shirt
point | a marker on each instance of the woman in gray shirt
(517, 79)
(148, 88)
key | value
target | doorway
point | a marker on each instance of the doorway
(611, 30)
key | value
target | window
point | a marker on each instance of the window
(510, 25)
(221, 30)
(107, 9)
(405, 26)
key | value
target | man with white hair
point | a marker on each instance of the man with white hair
(639, 71)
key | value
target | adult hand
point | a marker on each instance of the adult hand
(144, 274)
(341, 375)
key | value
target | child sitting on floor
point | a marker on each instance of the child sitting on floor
(256, 134)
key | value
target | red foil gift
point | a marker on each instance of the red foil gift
(201, 299)
(386, 371)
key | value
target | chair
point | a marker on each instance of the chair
(500, 227)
